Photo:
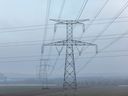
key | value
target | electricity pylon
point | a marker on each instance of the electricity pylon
(43, 73)
(70, 81)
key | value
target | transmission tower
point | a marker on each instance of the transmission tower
(43, 73)
(70, 81)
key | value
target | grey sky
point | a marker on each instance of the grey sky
(18, 13)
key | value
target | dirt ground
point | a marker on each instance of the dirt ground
(36, 91)
(27, 91)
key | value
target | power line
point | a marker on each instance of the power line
(117, 39)
(60, 14)
(53, 55)
(104, 19)
(97, 14)
(104, 30)
(38, 60)
(41, 25)
(118, 14)
(107, 26)
(89, 36)
(38, 42)
(61, 9)
(34, 29)
(82, 9)
(25, 26)
(114, 41)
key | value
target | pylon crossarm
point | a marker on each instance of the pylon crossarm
(58, 43)
(56, 20)
(61, 21)
(81, 43)
(82, 20)
(73, 42)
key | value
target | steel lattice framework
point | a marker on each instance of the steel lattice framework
(70, 81)
(43, 73)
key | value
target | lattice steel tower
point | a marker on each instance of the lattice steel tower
(43, 73)
(70, 81)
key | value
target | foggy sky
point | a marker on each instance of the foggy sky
(19, 13)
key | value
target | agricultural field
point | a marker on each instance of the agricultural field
(36, 91)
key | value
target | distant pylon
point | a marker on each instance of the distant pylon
(43, 73)
(70, 81)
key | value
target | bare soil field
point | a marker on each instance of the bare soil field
(36, 91)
